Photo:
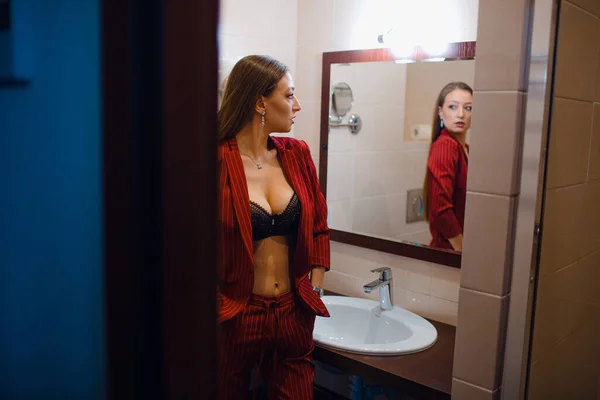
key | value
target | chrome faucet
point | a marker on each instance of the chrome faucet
(383, 284)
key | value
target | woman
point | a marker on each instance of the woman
(274, 239)
(445, 187)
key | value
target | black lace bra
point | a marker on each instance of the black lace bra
(265, 225)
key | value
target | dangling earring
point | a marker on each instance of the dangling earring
(441, 123)
(262, 119)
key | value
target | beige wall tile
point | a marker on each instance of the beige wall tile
(240, 34)
(308, 83)
(352, 269)
(306, 127)
(348, 260)
(487, 243)
(587, 280)
(585, 312)
(480, 338)
(427, 289)
(340, 215)
(562, 375)
(341, 142)
(578, 46)
(465, 391)
(597, 91)
(415, 302)
(496, 128)
(542, 381)
(442, 310)
(574, 379)
(445, 282)
(562, 236)
(566, 358)
(594, 168)
(378, 216)
(337, 165)
(590, 240)
(416, 279)
(501, 45)
(376, 174)
(585, 334)
(552, 310)
(372, 259)
(347, 285)
(592, 6)
(315, 25)
(240, 17)
(569, 142)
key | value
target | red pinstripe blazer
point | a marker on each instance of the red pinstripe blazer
(447, 189)
(235, 251)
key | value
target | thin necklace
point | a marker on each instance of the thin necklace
(258, 165)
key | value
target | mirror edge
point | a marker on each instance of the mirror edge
(459, 51)
(417, 251)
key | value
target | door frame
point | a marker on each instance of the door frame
(159, 89)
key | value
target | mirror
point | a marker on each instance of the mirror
(341, 99)
(373, 180)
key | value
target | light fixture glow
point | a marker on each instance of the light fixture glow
(402, 51)
(434, 59)
(435, 48)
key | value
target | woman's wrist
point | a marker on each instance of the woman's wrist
(317, 276)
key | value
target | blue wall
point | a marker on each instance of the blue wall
(51, 300)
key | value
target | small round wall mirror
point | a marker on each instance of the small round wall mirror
(341, 99)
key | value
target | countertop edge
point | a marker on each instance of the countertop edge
(374, 367)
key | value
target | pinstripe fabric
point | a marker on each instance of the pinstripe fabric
(236, 267)
(446, 189)
(277, 333)
(246, 325)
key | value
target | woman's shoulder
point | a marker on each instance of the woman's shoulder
(223, 145)
(289, 143)
(444, 148)
(445, 142)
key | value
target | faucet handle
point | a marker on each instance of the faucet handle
(385, 273)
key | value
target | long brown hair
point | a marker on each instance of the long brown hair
(251, 77)
(436, 130)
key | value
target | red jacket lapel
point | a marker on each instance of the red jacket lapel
(291, 161)
(239, 193)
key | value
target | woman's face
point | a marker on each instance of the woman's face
(281, 107)
(456, 111)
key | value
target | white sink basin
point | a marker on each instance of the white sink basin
(360, 326)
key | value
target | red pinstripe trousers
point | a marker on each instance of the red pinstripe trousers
(275, 333)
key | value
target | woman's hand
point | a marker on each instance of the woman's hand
(457, 242)
(317, 276)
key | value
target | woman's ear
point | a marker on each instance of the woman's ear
(260, 106)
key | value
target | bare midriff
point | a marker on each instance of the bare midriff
(272, 266)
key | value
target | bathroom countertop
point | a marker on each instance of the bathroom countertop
(425, 375)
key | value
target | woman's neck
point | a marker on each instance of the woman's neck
(252, 141)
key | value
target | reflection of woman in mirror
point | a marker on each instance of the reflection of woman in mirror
(274, 239)
(445, 187)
